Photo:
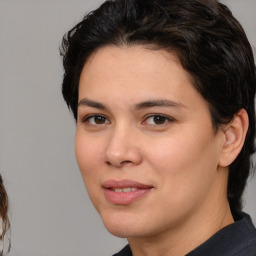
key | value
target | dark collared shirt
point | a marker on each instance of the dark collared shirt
(237, 239)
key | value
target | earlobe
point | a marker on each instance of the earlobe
(234, 134)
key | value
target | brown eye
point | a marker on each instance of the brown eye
(157, 120)
(97, 120)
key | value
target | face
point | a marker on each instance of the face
(145, 144)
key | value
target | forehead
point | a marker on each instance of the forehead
(124, 77)
(133, 65)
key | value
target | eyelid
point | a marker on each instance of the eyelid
(85, 118)
(168, 118)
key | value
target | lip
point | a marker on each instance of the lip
(124, 198)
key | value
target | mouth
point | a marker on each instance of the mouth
(125, 191)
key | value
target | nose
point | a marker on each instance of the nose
(123, 148)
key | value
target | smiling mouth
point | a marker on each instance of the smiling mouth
(125, 192)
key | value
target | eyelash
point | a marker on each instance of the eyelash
(87, 118)
(164, 118)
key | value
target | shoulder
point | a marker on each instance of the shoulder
(237, 239)
(246, 236)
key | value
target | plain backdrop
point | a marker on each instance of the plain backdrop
(50, 210)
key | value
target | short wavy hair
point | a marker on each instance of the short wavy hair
(211, 46)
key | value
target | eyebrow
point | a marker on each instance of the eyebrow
(91, 103)
(139, 106)
(158, 103)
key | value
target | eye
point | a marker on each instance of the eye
(157, 120)
(96, 120)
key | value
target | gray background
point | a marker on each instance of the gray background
(50, 211)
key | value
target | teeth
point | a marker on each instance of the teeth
(125, 190)
(118, 190)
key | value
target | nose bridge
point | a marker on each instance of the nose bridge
(123, 147)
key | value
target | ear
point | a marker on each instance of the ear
(234, 136)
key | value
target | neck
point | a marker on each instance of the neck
(201, 224)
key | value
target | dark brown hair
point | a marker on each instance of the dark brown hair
(4, 205)
(209, 42)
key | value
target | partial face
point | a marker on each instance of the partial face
(144, 143)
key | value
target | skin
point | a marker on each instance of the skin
(181, 156)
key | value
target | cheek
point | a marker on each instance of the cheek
(185, 164)
(87, 151)
(87, 156)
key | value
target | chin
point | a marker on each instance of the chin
(122, 225)
(121, 230)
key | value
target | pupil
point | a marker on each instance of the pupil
(159, 119)
(100, 120)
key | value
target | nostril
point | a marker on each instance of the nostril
(108, 163)
(120, 163)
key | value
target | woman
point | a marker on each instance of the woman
(163, 94)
